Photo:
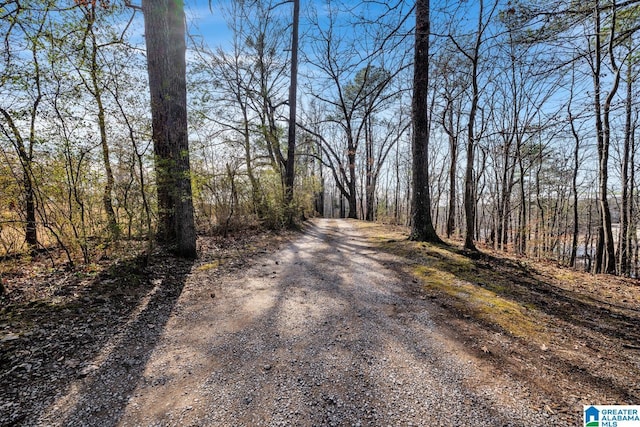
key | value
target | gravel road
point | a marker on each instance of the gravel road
(318, 333)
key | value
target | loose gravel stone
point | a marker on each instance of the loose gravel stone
(332, 337)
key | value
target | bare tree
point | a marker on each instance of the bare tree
(469, 179)
(351, 78)
(93, 85)
(605, 251)
(29, 31)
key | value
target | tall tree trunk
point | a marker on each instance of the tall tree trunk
(96, 91)
(623, 240)
(574, 190)
(370, 184)
(291, 149)
(352, 197)
(469, 182)
(352, 200)
(588, 247)
(319, 195)
(522, 213)
(25, 156)
(451, 216)
(421, 223)
(448, 126)
(606, 249)
(396, 192)
(574, 178)
(632, 236)
(166, 47)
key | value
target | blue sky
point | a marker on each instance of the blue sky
(209, 23)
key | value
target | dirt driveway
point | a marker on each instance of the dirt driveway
(318, 333)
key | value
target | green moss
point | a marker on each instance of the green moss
(209, 266)
(444, 270)
(484, 303)
(433, 277)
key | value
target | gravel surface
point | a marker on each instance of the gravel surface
(318, 333)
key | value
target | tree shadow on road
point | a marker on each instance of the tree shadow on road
(332, 339)
(79, 354)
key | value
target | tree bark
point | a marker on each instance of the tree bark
(469, 182)
(606, 252)
(421, 222)
(574, 190)
(26, 159)
(451, 131)
(624, 242)
(166, 64)
(370, 183)
(96, 91)
(632, 235)
(291, 149)
(352, 197)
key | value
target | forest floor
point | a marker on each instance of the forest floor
(347, 323)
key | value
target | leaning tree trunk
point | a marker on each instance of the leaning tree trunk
(166, 47)
(96, 91)
(26, 160)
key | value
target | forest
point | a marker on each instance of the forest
(331, 212)
(527, 123)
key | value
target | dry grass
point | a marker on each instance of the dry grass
(472, 290)
(566, 331)
(522, 299)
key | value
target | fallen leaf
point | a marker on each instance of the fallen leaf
(88, 370)
(9, 337)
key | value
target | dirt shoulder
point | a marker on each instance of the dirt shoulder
(572, 336)
(62, 330)
(347, 323)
